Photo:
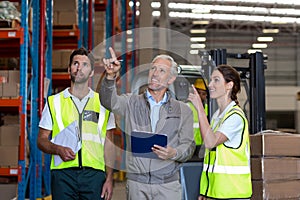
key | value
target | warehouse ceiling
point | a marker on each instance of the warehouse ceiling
(240, 26)
(232, 15)
(212, 20)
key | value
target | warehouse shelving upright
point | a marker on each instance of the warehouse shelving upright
(24, 98)
(16, 43)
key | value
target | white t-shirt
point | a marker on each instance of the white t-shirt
(231, 127)
(46, 120)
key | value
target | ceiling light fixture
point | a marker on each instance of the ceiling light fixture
(255, 18)
(198, 46)
(285, 2)
(201, 22)
(197, 39)
(156, 13)
(275, 30)
(155, 4)
(202, 10)
(259, 45)
(195, 31)
(205, 8)
(259, 14)
(265, 39)
(130, 3)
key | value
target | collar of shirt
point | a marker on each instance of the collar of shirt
(80, 104)
(68, 94)
(152, 100)
(230, 105)
(217, 117)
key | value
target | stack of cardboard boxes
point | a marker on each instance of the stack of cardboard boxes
(9, 145)
(9, 151)
(65, 14)
(275, 165)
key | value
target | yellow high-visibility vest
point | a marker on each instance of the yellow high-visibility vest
(226, 170)
(92, 126)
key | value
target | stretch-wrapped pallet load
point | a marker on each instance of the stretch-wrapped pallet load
(9, 12)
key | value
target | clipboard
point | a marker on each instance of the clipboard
(68, 137)
(142, 142)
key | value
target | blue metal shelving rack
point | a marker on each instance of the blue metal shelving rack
(34, 170)
(23, 96)
(37, 175)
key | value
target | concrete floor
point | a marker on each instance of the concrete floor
(119, 192)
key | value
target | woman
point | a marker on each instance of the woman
(226, 168)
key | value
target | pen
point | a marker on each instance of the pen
(113, 62)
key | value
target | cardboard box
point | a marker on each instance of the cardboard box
(65, 58)
(99, 20)
(55, 17)
(9, 135)
(3, 76)
(275, 168)
(98, 38)
(65, 5)
(9, 156)
(67, 17)
(10, 119)
(8, 191)
(11, 88)
(275, 144)
(278, 190)
(13, 76)
(56, 59)
(3, 79)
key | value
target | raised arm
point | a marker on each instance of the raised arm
(108, 92)
(210, 138)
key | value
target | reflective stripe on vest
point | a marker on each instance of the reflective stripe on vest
(57, 107)
(226, 171)
(92, 121)
(196, 125)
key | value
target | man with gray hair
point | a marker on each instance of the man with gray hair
(152, 112)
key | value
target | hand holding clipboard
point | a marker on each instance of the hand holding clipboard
(151, 145)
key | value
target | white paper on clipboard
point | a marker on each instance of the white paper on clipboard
(68, 137)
